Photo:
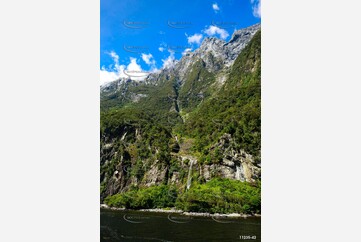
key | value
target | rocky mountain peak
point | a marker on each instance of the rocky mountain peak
(197, 123)
(210, 43)
(214, 51)
(238, 34)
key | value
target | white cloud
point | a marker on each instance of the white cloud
(133, 65)
(108, 76)
(196, 38)
(170, 61)
(116, 71)
(214, 30)
(186, 51)
(216, 8)
(134, 71)
(256, 7)
(149, 59)
(114, 56)
(162, 46)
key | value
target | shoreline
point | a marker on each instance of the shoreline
(181, 212)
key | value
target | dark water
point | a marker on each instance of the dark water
(147, 226)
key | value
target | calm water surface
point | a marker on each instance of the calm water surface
(149, 226)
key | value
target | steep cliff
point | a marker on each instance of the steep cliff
(188, 124)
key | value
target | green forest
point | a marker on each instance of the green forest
(173, 120)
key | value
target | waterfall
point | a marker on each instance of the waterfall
(124, 136)
(239, 173)
(190, 174)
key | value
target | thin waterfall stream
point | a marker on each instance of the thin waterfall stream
(189, 181)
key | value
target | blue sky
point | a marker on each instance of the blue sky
(147, 35)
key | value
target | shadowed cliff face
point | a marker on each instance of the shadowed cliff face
(193, 122)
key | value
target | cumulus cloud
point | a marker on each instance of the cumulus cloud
(215, 7)
(256, 7)
(169, 61)
(115, 71)
(133, 65)
(114, 56)
(196, 38)
(214, 30)
(161, 49)
(150, 61)
(134, 70)
(108, 76)
(148, 58)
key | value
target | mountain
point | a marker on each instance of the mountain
(212, 60)
(189, 128)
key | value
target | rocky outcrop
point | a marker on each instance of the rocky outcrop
(236, 163)
(155, 175)
(128, 155)
(216, 54)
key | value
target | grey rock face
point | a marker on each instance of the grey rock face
(239, 40)
(215, 53)
(217, 56)
(236, 164)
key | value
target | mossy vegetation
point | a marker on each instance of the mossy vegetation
(216, 196)
(154, 131)
(162, 196)
(236, 109)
